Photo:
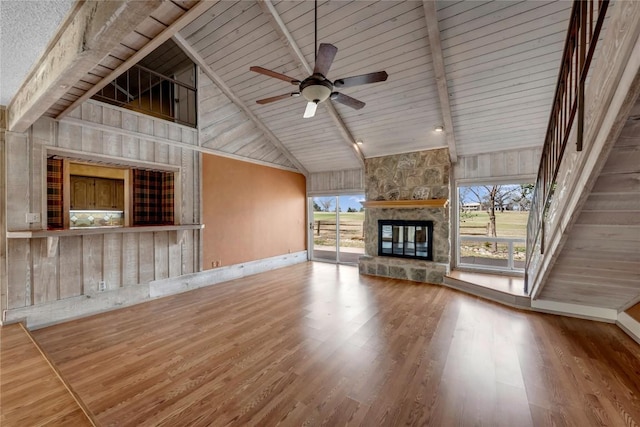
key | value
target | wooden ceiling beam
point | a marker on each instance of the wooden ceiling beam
(95, 29)
(217, 80)
(433, 31)
(165, 35)
(287, 39)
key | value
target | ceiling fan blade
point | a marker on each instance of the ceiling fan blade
(326, 53)
(347, 100)
(275, 74)
(310, 111)
(277, 98)
(380, 76)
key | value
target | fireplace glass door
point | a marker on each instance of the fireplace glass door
(406, 239)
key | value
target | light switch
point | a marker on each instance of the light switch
(33, 217)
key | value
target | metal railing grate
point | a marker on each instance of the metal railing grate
(144, 90)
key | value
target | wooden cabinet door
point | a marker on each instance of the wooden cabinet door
(82, 193)
(104, 193)
(119, 194)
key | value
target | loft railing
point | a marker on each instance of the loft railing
(585, 24)
(152, 93)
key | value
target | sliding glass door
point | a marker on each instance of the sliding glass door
(337, 228)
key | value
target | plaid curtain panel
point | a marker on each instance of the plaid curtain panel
(152, 197)
(54, 193)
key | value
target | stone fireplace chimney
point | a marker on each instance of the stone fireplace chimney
(410, 187)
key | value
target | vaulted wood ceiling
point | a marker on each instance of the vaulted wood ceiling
(500, 62)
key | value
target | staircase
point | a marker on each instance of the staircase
(584, 231)
(599, 263)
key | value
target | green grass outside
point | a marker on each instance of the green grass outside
(508, 224)
(344, 216)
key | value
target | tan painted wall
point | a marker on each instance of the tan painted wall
(250, 211)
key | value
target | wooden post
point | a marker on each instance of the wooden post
(318, 228)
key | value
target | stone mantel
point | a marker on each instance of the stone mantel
(407, 204)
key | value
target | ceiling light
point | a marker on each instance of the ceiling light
(316, 89)
(439, 129)
(359, 141)
(310, 110)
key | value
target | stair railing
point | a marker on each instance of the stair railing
(587, 17)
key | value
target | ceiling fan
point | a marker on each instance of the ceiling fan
(317, 88)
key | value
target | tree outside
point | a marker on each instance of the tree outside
(493, 211)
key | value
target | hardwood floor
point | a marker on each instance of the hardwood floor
(30, 391)
(317, 344)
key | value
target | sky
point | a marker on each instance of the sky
(346, 202)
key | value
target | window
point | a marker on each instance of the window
(82, 194)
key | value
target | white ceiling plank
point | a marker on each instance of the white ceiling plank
(270, 11)
(195, 57)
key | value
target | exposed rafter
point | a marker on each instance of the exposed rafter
(294, 50)
(95, 29)
(165, 35)
(433, 31)
(195, 57)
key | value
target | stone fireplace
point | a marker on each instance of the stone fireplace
(411, 187)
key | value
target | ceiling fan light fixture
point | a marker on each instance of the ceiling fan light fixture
(315, 89)
(310, 111)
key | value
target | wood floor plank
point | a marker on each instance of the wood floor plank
(317, 344)
(30, 391)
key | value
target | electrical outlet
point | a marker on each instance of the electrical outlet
(102, 286)
(33, 217)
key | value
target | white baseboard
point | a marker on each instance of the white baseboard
(188, 282)
(608, 315)
(42, 315)
(630, 325)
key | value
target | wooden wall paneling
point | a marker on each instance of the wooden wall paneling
(130, 144)
(112, 261)
(92, 253)
(511, 163)
(18, 185)
(70, 256)
(146, 253)
(70, 136)
(498, 165)
(161, 153)
(18, 273)
(189, 191)
(38, 181)
(484, 165)
(130, 261)
(161, 250)
(45, 272)
(112, 142)
(147, 149)
(3, 228)
(187, 253)
(175, 257)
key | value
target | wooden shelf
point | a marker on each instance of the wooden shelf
(53, 236)
(31, 234)
(431, 203)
